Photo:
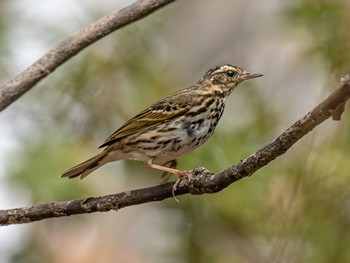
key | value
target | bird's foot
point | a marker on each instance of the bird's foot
(171, 170)
(188, 175)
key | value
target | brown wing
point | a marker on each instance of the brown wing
(164, 109)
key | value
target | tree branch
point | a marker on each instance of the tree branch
(202, 180)
(71, 46)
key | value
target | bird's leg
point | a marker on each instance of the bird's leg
(180, 173)
(166, 175)
(172, 163)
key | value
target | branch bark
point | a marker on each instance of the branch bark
(202, 182)
(71, 46)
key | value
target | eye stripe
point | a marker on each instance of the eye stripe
(223, 69)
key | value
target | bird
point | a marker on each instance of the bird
(171, 127)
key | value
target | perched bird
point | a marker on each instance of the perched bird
(171, 127)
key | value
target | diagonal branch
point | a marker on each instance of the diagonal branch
(71, 46)
(202, 181)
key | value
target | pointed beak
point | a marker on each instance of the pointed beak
(247, 75)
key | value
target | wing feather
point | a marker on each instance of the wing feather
(163, 110)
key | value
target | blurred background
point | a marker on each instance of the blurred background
(297, 209)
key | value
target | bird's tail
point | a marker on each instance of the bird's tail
(85, 168)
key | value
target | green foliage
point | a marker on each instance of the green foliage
(326, 22)
(294, 210)
(39, 165)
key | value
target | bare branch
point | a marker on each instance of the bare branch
(202, 181)
(71, 46)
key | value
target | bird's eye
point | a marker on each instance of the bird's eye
(230, 73)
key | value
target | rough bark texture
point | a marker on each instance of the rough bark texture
(71, 46)
(202, 180)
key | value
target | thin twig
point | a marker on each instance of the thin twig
(71, 46)
(202, 181)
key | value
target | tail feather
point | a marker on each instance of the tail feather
(85, 168)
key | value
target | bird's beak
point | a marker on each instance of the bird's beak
(247, 75)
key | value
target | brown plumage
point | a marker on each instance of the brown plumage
(172, 126)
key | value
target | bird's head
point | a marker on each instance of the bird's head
(227, 77)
